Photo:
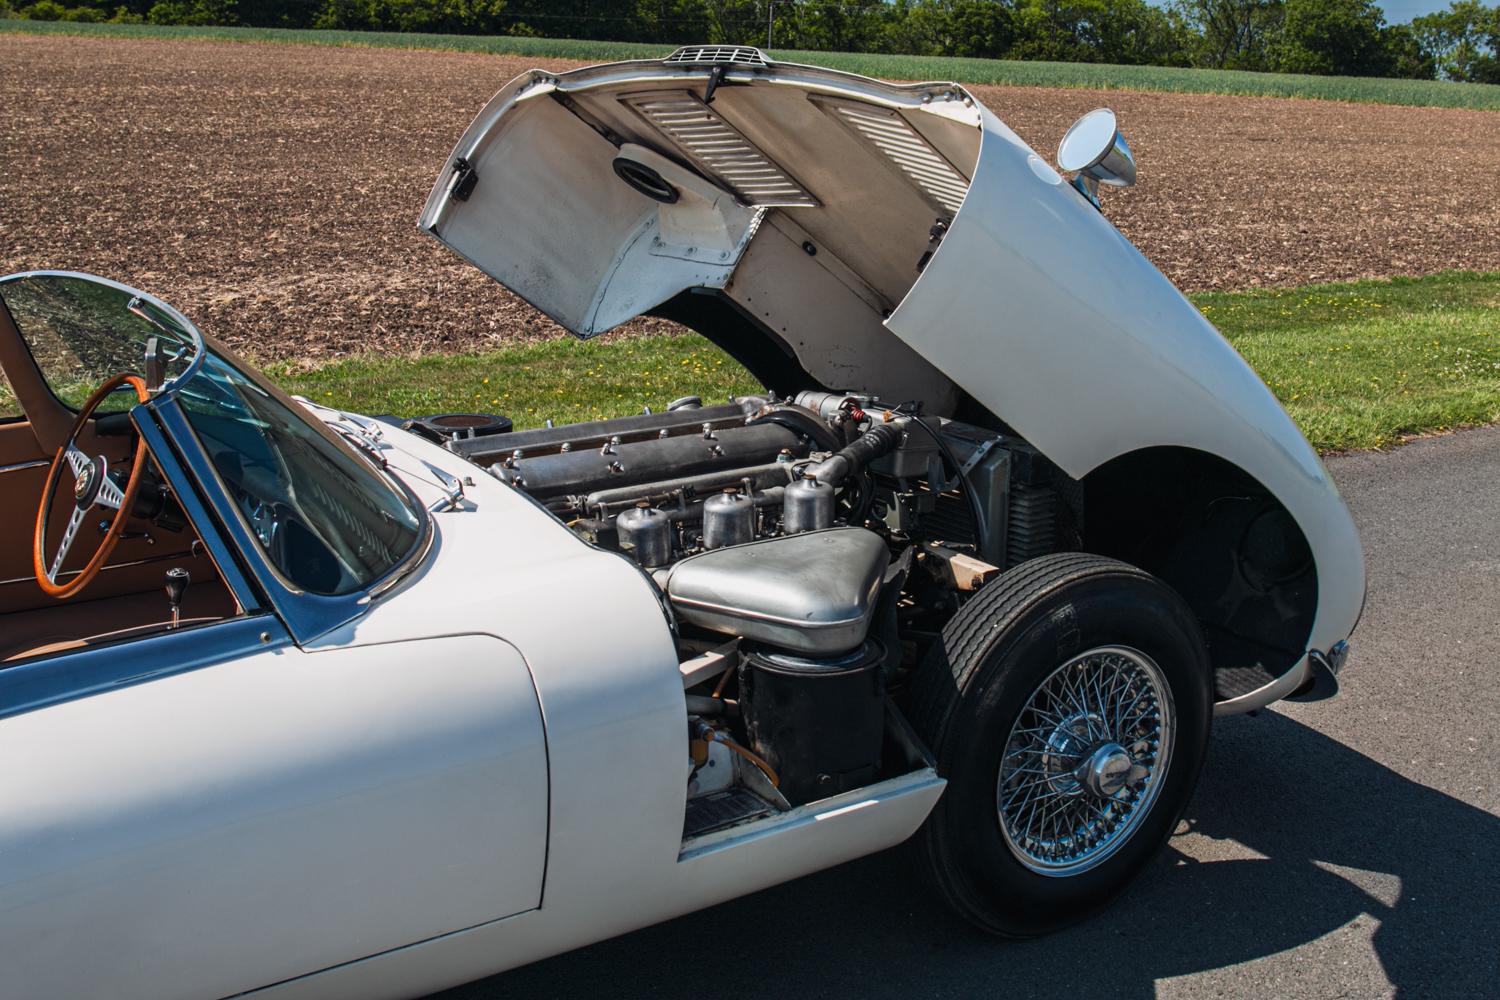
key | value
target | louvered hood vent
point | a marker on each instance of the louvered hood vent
(905, 149)
(719, 150)
(717, 55)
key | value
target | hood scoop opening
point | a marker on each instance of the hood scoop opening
(718, 55)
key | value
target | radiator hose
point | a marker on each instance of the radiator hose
(882, 439)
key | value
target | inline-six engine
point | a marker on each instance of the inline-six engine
(807, 547)
(695, 478)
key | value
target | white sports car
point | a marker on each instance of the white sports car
(300, 703)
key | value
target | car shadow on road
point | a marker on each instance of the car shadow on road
(1324, 837)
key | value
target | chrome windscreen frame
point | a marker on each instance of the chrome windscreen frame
(186, 325)
(208, 525)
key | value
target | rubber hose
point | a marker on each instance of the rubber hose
(882, 439)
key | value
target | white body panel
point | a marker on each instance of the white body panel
(819, 836)
(209, 832)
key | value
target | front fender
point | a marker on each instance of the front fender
(1043, 311)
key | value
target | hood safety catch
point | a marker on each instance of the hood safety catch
(715, 77)
(464, 179)
(934, 240)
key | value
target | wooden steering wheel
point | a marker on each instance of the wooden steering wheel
(92, 488)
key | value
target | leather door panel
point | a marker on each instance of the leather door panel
(137, 564)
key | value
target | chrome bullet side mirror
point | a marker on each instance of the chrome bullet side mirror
(1097, 153)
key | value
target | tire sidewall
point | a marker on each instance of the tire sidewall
(1134, 611)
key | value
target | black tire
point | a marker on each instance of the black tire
(994, 653)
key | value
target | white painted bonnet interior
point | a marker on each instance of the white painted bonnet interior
(806, 197)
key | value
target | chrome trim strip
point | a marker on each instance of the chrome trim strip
(38, 463)
(415, 558)
(207, 526)
(869, 797)
(79, 673)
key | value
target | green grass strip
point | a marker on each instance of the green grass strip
(1421, 93)
(1358, 365)
(1363, 365)
(565, 380)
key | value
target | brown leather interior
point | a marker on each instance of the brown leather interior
(137, 564)
(127, 597)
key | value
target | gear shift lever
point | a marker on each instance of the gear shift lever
(177, 584)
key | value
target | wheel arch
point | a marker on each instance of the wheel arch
(1224, 542)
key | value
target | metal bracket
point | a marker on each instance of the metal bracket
(1323, 673)
(153, 364)
(1089, 188)
(453, 488)
(464, 179)
(715, 77)
(975, 457)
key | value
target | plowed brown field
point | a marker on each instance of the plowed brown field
(271, 191)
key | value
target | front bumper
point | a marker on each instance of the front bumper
(1322, 673)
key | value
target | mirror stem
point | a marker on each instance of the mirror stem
(1089, 188)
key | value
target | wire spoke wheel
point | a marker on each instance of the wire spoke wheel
(1085, 760)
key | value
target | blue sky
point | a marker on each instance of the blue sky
(1398, 11)
(1401, 11)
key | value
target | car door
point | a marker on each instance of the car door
(208, 811)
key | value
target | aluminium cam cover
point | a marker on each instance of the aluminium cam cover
(812, 593)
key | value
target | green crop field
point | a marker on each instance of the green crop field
(1357, 365)
(1422, 93)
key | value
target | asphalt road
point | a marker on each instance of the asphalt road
(1349, 848)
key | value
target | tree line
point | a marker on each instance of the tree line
(1330, 37)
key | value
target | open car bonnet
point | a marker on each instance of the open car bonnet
(804, 197)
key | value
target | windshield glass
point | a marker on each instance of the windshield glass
(82, 331)
(329, 521)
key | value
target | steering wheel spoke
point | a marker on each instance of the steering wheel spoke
(63, 546)
(109, 494)
(77, 461)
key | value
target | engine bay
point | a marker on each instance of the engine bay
(810, 550)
